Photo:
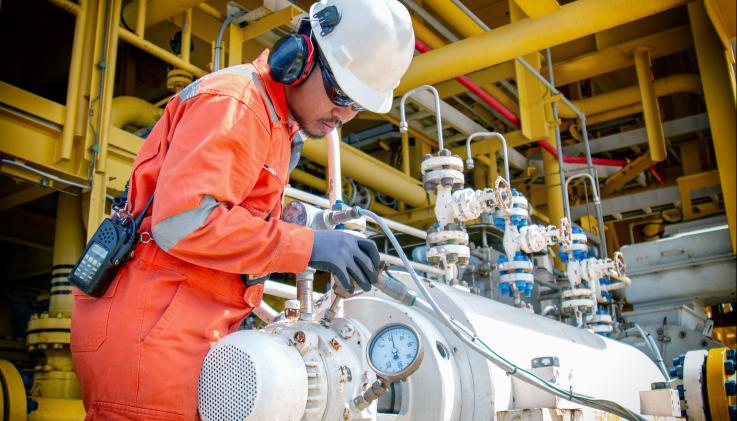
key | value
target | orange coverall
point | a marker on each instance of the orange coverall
(218, 159)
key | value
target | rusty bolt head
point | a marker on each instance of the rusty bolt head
(299, 337)
(444, 152)
(335, 344)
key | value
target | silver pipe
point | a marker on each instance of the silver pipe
(304, 294)
(469, 159)
(394, 260)
(472, 15)
(403, 126)
(325, 204)
(558, 141)
(430, 19)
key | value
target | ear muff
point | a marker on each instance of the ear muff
(292, 59)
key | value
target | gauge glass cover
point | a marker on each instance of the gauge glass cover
(394, 349)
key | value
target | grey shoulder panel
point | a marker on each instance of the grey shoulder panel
(171, 230)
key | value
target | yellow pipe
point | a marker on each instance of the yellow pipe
(157, 11)
(159, 52)
(75, 71)
(650, 107)
(370, 172)
(67, 5)
(141, 18)
(456, 17)
(668, 85)
(129, 110)
(614, 114)
(317, 183)
(426, 34)
(574, 20)
(187, 35)
(405, 153)
(211, 11)
(720, 106)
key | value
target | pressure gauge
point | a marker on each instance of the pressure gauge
(395, 352)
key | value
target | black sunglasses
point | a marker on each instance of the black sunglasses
(332, 89)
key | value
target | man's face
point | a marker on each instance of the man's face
(310, 105)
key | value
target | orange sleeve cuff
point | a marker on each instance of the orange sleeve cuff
(295, 249)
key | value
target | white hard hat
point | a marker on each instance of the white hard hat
(368, 46)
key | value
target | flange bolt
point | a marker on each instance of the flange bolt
(730, 387)
(729, 367)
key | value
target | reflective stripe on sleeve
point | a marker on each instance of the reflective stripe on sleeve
(171, 230)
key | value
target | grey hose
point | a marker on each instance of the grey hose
(219, 41)
(473, 342)
(653, 347)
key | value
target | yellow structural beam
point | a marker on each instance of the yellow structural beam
(690, 157)
(574, 20)
(650, 107)
(688, 183)
(619, 98)
(64, 151)
(269, 22)
(723, 15)
(614, 114)
(156, 11)
(629, 172)
(720, 106)
(24, 196)
(620, 56)
(483, 77)
(538, 8)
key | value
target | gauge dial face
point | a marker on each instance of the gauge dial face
(394, 349)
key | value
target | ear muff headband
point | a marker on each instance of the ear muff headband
(292, 59)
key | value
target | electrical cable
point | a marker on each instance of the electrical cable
(473, 341)
(219, 41)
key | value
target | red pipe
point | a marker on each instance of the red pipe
(509, 115)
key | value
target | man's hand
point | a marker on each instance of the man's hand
(350, 258)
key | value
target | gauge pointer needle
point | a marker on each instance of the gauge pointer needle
(395, 352)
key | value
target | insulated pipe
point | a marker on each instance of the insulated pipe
(335, 180)
(650, 107)
(469, 158)
(631, 95)
(403, 126)
(573, 21)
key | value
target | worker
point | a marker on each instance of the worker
(217, 164)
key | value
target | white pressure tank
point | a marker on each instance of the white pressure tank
(452, 381)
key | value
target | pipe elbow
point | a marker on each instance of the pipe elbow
(680, 83)
(129, 110)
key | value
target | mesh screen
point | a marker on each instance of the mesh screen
(228, 386)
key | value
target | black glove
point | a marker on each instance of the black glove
(346, 256)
